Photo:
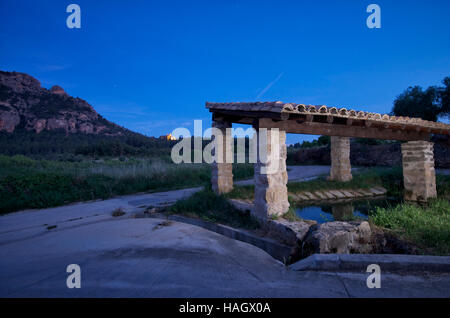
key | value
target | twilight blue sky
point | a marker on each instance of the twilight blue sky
(151, 65)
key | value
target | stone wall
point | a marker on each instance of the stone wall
(418, 170)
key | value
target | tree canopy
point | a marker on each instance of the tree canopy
(428, 104)
(445, 97)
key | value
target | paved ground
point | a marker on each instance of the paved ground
(28, 224)
(124, 257)
(138, 258)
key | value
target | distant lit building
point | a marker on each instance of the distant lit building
(168, 137)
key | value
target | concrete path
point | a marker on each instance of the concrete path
(30, 223)
(123, 257)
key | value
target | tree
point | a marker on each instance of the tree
(415, 102)
(324, 140)
(428, 104)
(444, 95)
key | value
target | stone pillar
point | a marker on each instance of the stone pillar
(222, 172)
(340, 159)
(418, 170)
(271, 195)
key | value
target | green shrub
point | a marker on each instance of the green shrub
(426, 226)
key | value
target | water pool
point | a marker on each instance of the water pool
(346, 211)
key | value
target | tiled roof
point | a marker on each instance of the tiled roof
(291, 108)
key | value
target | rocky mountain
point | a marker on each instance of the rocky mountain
(26, 105)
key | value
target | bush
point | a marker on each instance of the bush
(428, 227)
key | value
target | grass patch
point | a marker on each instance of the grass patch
(290, 215)
(211, 207)
(245, 192)
(242, 171)
(428, 226)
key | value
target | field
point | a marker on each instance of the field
(38, 183)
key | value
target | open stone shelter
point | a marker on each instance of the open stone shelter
(271, 195)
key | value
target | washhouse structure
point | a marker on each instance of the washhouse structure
(271, 195)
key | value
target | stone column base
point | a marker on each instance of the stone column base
(418, 171)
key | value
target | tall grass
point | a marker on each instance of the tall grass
(28, 183)
(18, 165)
(427, 226)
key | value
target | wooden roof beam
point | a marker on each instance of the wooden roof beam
(313, 128)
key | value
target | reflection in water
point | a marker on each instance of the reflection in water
(344, 211)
